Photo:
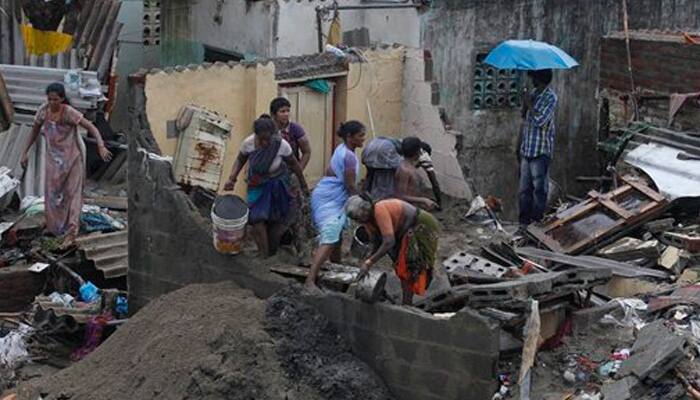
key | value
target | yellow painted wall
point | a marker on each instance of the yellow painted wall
(242, 93)
(238, 93)
(379, 81)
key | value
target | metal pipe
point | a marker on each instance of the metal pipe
(319, 27)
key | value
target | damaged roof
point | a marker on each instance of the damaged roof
(286, 68)
(26, 87)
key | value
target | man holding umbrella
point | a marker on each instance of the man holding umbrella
(536, 146)
(536, 142)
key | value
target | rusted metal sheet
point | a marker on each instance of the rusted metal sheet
(201, 149)
(598, 219)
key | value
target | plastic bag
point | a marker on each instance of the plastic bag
(13, 347)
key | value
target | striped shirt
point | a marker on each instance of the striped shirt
(538, 130)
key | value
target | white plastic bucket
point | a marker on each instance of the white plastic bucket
(228, 234)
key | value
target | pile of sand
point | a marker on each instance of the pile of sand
(217, 342)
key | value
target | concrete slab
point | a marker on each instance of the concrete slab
(656, 351)
(627, 249)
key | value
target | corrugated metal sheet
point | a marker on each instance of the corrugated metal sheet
(27, 85)
(11, 43)
(108, 251)
(675, 178)
(12, 142)
(96, 34)
(94, 39)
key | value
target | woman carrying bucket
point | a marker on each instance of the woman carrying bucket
(331, 193)
(269, 159)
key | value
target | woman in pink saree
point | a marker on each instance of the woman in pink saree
(65, 165)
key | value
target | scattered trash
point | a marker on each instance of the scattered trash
(13, 347)
(89, 292)
(64, 299)
(38, 267)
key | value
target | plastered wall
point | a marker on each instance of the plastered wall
(372, 92)
(388, 93)
(240, 93)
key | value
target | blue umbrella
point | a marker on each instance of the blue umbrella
(529, 55)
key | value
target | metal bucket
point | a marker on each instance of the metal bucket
(361, 244)
(371, 287)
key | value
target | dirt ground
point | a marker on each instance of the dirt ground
(215, 342)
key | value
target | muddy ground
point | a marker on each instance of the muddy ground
(217, 342)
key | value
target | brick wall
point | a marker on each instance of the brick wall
(660, 64)
(419, 356)
(170, 243)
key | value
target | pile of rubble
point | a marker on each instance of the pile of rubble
(627, 259)
(215, 342)
(58, 305)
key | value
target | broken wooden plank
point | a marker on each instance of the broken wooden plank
(617, 268)
(600, 218)
(110, 202)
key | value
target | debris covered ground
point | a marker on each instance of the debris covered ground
(218, 341)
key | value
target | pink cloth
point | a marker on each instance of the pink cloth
(63, 192)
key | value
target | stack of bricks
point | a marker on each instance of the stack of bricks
(419, 356)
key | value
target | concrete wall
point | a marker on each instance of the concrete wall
(170, 244)
(421, 118)
(132, 56)
(270, 28)
(419, 356)
(455, 31)
(242, 26)
(242, 92)
(297, 34)
(378, 82)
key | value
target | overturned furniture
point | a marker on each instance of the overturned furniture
(600, 219)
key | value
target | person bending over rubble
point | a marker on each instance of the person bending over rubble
(407, 175)
(408, 234)
(391, 175)
(299, 218)
(536, 145)
(269, 159)
(329, 197)
(65, 161)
